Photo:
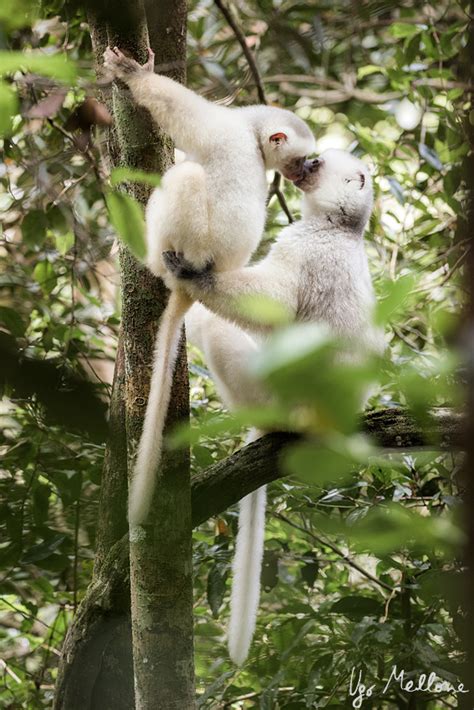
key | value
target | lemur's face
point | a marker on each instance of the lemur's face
(337, 183)
(286, 144)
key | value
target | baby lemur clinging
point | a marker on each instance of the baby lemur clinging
(211, 208)
(318, 269)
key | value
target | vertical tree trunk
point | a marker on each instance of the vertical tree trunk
(466, 701)
(96, 665)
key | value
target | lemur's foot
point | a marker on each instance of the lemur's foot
(119, 65)
(183, 269)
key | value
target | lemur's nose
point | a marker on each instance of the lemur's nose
(313, 165)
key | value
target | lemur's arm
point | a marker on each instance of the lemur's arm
(192, 122)
(220, 292)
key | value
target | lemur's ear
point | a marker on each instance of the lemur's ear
(358, 181)
(278, 138)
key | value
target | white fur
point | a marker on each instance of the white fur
(246, 569)
(318, 269)
(211, 207)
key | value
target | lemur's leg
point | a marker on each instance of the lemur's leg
(228, 352)
(177, 217)
(221, 292)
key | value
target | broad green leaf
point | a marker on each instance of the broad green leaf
(54, 65)
(294, 343)
(356, 607)
(263, 309)
(45, 275)
(43, 549)
(8, 108)
(216, 588)
(369, 69)
(401, 30)
(270, 418)
(328, 461)
(121, 175)
(12, 321)
(126, 215)
(388, 529)
(17, 13)
(64, 242)
(393, 301)
(33, 228)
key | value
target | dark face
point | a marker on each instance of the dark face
(294, 169)
(309, 174)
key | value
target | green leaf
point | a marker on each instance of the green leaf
(54, 65)
(64, 242)
(292, 344)
(8, 108)
(43, 549)
(126, 215)
(401, 30)
(369, 69)
(121, 175)
(12, 321)
(33, 228)
(326, 462)
(216, 588)
(45, 275)
(356, 607)
(263, 309)
(396, 294)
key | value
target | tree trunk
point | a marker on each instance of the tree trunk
(96, 664)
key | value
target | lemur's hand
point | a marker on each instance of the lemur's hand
(119, 65)
(183, 269)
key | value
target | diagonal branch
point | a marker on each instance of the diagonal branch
(240, 37)
(340, 553)
(223, 484)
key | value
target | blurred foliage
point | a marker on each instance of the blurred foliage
(382, 79)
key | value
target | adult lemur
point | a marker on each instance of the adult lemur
(318, 269)
(211, 208)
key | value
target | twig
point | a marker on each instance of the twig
(276, 190)
(87, 152)
(245, 48)
(342, 94)
(336, 550)
(76, 550)
(454, 268)
(275, 187)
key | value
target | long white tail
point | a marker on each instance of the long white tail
(246, 567)
(149, 448)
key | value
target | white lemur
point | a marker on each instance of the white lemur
(211, 208)
(318, 269)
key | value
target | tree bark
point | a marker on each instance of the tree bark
(102, 632)
(466, 231)
(96, 665)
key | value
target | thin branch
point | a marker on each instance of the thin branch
(340, 553)
(342, 94)
(454, 268)
(245, 48)
(275, 187)
(276, 190)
